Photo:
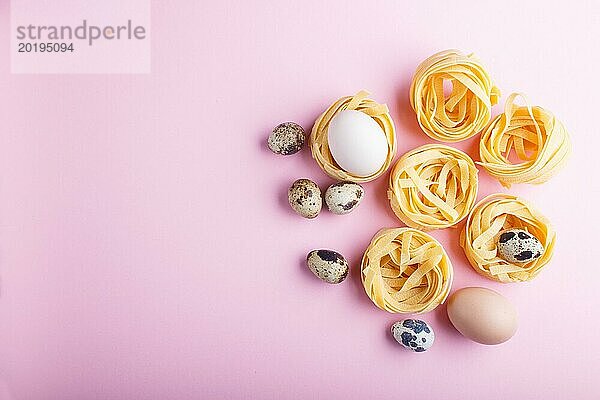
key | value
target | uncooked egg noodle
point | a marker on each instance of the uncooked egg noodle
(494, 214)
(539, 140)
(319, 138)
(405, 270)
(433, 186)
(466, 110)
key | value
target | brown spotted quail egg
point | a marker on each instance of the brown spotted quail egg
(413, 334)
(518, 246)
(305, 198)
(328, 265)
(287, 138)
(343, 197)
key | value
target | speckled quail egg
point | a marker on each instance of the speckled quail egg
(343, 197)
(305, 198)
(287, 138)
(413, 334)
(518, 246)
(328, 265)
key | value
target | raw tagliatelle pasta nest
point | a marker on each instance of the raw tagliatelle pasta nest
(433, 186)
(494, 214)
(319, 137)
(466, 110)
(540, 141)
(405, 270)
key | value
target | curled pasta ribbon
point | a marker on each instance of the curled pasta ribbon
(319, 137)
(405, 270)
(433, 186)
(463, 113)
(494, 214)
(540, 141)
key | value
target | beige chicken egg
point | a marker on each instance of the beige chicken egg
(482, 315)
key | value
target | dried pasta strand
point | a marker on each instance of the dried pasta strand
(467, 110)
(494, 214)
(525, 129)
(319, 145)
(433, 186)
(424, 270)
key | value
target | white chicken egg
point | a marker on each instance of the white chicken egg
(357, 143)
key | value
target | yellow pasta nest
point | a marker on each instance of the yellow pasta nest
(494, 214)
(433, 186)
(466, 110)
(405, 270)
(318, 141)
(540, 141)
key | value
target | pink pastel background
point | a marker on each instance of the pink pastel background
(147, 250)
